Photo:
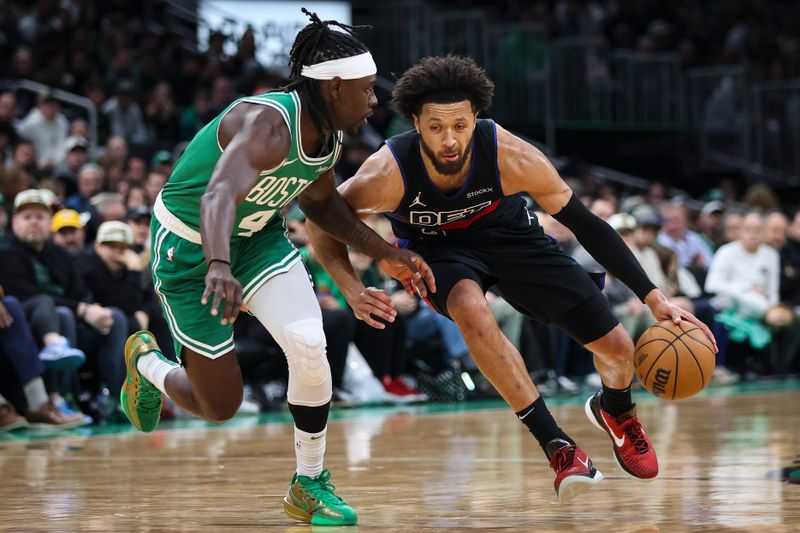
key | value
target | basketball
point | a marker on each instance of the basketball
(674, 361)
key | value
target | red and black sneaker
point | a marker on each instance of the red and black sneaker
(574, 470)
(632, 449)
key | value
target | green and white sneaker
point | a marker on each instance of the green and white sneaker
(312, 500)
(140, 399)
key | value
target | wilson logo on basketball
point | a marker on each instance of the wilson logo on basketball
(660, 381)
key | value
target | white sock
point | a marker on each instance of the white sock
(155, 368)
(310, 450)
(35, 394)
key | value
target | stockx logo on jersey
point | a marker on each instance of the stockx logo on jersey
(273, 191)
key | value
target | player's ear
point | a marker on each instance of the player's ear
(336, 87)
(416, 122)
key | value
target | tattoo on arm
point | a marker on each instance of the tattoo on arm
(338, 220)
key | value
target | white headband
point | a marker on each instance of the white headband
(347, 68)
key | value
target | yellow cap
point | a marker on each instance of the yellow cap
(66, 218)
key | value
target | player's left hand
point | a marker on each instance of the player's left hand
(662, 309)
(371, 301)
(409, 269)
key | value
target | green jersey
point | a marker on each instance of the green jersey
(275, 187)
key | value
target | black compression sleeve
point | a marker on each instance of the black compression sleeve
(605, 245)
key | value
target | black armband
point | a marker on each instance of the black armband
(605, 245)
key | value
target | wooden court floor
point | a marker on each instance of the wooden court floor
(729, 462)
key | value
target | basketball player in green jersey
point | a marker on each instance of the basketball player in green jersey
(217, 236)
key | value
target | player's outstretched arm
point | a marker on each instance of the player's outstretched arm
(523, 168)
(253, 138)
(373, 190)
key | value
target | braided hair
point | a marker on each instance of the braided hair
(316, 43)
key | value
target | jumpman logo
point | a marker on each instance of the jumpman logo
(417, 201)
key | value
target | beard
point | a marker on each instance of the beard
(447, 168)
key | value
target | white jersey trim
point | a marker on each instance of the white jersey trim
(175, 225)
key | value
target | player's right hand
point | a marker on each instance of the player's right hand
(221, 283)
(370, 303)
(410, 269)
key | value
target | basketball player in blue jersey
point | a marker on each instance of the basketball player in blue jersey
(218, 241)
(452, 189)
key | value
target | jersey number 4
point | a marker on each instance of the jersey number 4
(255, 222)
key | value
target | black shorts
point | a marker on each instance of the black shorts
(533, 275)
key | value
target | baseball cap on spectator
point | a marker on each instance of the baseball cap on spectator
(647, 215)
(46, 95)
(114, 231)
(65, 218)
(71, 143)
(33, 197)
(714, 206)
(622, 222)
(139, 212)
(162, 157)
(125, 86)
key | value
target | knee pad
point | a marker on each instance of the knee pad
(305, 351)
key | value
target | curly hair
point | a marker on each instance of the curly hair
(315, 43)
(442, 80)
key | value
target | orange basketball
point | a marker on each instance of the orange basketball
(674, 361)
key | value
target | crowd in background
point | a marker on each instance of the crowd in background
(763, 35)
(76, 211)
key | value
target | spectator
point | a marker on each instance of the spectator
(39, 274)
(117, 289)
(784, 318)
(710, 224)
(124, 115)
(25, 157)
(195, 116)
(648, 224)
(139, 222)
(155, 182)
(9, 113)
(68, 233)
(161, 115)
(162, 162)
(15, 180)
(744, 278)
(136, 197)
(632, 313)
(731, 227)
(116, 151)
(47, 129)
(675, 234)
(107, 206)
(79, 128)
(384, 350)
(90, 182)
(76, 155)
(19, 347)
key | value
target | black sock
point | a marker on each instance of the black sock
(616, 401)
(310, 419)
(541, 424)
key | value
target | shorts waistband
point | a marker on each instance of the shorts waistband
(167, 219)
